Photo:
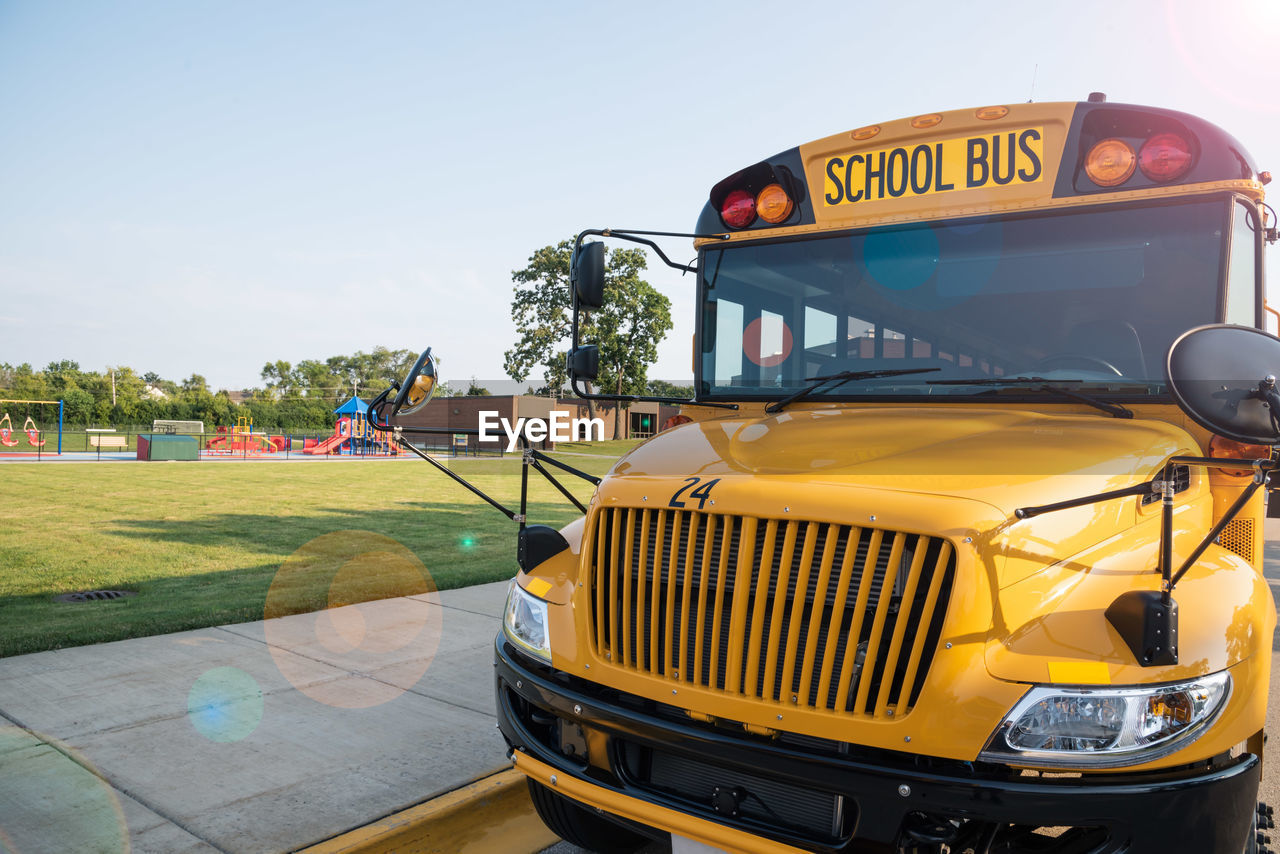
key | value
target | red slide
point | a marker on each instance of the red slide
(341, 432)
(327, 446)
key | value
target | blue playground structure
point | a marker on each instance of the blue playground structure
(353, 434)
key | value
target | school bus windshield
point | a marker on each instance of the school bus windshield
(1095, 295)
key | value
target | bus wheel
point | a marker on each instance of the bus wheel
(581, 826)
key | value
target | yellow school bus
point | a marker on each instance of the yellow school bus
(945, 556)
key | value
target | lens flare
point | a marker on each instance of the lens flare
(358, 601)
(225, 704)
(1206, 40)
(52, 799)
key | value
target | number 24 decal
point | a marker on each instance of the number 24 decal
(702, 493)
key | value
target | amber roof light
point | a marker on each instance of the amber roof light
(773, 204)
(1110, 162)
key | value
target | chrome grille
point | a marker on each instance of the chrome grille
(766, 608)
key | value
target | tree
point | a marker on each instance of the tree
(77, 404)
(195, 383)
(662, 388)
(316, 379)
(279, 377)
(476, 390)
(541, 310)
(628, 328)
(373, 370)
(634, 319)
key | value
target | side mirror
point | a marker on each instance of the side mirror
(584, 362)
(418, 386)
(586, 275)
(1224, 378)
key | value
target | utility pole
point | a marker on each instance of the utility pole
(113, 386)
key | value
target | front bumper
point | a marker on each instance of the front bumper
(609, 749)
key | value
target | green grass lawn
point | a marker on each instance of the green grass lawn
(200, 543)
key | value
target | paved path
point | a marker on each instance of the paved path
(216, 740)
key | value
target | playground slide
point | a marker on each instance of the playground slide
(328, 446)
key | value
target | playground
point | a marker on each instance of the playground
(31, 440)
(352, 436)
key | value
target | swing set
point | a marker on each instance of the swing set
(8, 439)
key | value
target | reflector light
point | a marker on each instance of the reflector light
(990, 113)
(926, 121)
(773, 204)
(1221, 446)
(866, 132)
(1165, 157)
(1110, 162)
(738, 210)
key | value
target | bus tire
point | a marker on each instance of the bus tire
(581, 826)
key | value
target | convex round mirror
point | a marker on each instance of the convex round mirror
(1224, 378)
(418, 386)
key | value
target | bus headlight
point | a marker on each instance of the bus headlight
(1106, 727)
(525, 622)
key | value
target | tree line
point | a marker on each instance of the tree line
(300, 397)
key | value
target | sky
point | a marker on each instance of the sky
(205, 187)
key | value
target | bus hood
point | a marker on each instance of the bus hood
(1004, 457)
(938, 470)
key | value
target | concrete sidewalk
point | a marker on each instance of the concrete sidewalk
(265, 736)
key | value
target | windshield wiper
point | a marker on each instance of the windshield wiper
(1046, 387)
(839, 380)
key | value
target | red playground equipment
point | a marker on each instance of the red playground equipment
(241, 440)
(33, 432)
(36, 438)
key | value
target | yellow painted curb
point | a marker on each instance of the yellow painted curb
(490, 816)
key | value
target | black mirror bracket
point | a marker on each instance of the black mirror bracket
(1147, 620)
(584, 360)
(534, 543)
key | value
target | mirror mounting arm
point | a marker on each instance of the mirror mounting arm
(510, 514)
(644, 398)
(1261, 474)
(633, 235)
(1147, 620)
(641, 237)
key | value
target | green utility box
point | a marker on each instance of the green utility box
(164, 446)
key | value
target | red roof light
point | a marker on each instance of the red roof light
(1165, 157)
(738, 210)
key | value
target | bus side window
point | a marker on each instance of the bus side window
(1241, 305)
(820, 339)
(726, 353)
